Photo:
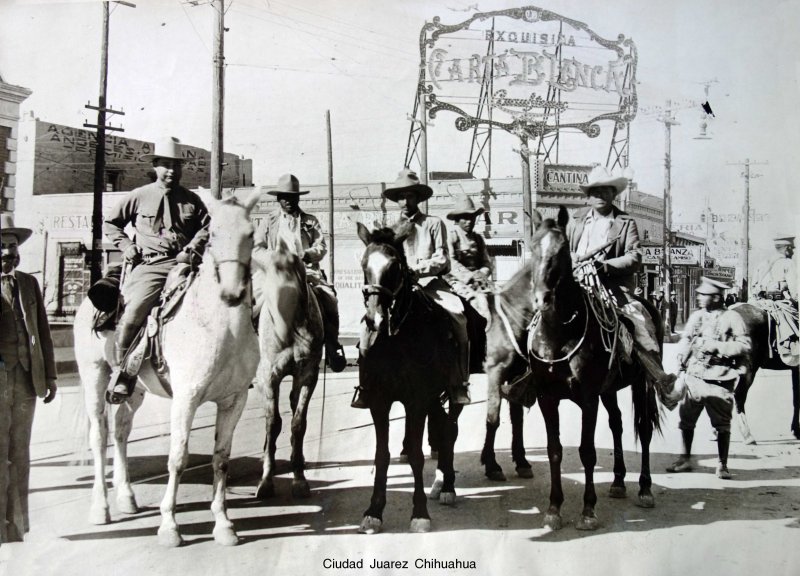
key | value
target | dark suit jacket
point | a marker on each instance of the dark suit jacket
(43, 363)
(623, 258)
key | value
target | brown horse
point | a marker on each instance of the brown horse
(290, 339)
(757, 322)
(407, 355)
(506, 360)
(569, 361)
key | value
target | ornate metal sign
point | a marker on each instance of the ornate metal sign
(544, 72)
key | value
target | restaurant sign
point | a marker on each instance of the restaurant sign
(547, 71)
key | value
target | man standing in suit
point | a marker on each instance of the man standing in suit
(27, 370)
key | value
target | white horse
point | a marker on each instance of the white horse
(211, 350)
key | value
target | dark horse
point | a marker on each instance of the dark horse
(407, 355)
(506, 360)
(756, 321)
(569, 361)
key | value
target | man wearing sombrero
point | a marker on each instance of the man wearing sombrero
(302, 233)
(171, 225)
(470, 264)
(27, 370)
(428, 258)
(603, 224)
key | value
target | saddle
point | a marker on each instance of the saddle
(784, 332)
(148, 342)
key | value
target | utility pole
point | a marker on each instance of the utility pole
(527, 202)
(669, 120)
(746, 224)
(96, 252)
(330, 196)
(423, 141)
(218, 99)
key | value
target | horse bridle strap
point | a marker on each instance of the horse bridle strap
(507, 326)
(571, 353)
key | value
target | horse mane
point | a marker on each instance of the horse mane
(392, 237)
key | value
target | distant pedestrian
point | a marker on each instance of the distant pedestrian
(27, 370)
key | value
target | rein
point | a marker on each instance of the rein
(535, 324)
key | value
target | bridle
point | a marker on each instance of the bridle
(217, 262)
(369, 290)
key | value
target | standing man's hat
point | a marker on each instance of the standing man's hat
(784, 241)
(464, 208)
(288, 184)
(600, 176)
(169, 148)
(709, 286)
(7, 227)
(407, 180)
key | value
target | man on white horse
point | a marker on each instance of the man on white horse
(604, 227)
(171, 227)
(429, 259)
(302, 233)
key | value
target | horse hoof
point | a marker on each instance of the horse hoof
(553, 521)
(750, 441)
(496, 475)
(447, 498)
(225, 536)
(587, 523)
(169, 537)
(646, 500)
(618, 492)
(301, 489)
(524, 471)
(99, 516)
(436, 489)
(265, 489)
(370, 525)
(127, 504)
(420, 525)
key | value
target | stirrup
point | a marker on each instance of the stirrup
(119, 387)
(359, 398)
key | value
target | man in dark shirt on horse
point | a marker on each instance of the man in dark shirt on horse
(171, 227)
(428, 258)
(613, 237)
(302, 234)
(713, 344)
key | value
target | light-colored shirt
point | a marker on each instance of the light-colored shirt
(426, 246)
(777, 275)
(289, 230)
(595, 231)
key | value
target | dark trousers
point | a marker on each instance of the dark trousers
(17, 406)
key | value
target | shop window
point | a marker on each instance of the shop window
(113, 180)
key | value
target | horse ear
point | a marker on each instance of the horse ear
(401, 231)
(282, 246)
(252, 199)
(536, 219)
(363, 233)
(563, 217)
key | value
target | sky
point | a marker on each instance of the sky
(290, 61)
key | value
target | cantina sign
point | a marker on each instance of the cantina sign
(537, 61)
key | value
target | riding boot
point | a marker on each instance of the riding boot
(684, 463)
(458, 389)
(723, 444)
(122, 384)
(668, 393)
